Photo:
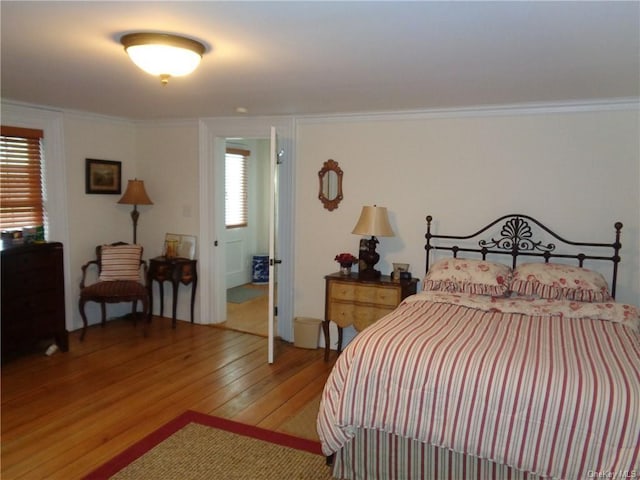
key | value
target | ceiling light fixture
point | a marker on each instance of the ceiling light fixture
(163, 54)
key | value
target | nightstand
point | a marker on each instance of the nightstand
(352, 301)
(175, 270)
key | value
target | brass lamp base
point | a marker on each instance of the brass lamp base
(135, 214)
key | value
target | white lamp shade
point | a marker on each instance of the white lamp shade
(163, 54)
(374, 221)
(164, 59)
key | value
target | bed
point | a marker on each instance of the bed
(514, 361)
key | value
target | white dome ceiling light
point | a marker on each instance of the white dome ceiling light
(163, 54)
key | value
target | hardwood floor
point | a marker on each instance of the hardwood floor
(64, 415)
(250, 316)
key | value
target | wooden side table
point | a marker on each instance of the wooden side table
(352, 301)
(175, 270)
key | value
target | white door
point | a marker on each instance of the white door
(211, 282)
(273, 218)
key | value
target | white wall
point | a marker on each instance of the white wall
(95, 219)
(576, 171)
(167, 160)
(165, 156)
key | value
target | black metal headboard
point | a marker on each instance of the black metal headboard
(517, 238)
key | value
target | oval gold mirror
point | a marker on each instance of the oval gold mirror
(330, 176)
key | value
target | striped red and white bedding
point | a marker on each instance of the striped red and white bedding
(547, 387)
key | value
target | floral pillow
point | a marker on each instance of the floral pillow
(563, 282)
(468, 276)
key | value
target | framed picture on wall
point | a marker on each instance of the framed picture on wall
(103, 176)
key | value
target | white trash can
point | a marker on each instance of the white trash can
(306, 331)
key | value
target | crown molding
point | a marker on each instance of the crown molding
(617, 104)
(539, 108)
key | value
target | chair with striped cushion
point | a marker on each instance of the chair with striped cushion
(120, 280)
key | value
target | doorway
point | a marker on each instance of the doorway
(212, 286)
(246, 236)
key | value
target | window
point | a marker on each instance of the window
(235, 191)
(21, 195)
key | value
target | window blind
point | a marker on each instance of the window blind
(21, 203)
(235, 200)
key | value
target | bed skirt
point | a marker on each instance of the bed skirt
(373, 454)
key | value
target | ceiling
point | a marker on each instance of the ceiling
(298, 58)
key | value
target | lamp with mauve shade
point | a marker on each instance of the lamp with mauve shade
(373, 221)
(135, 195)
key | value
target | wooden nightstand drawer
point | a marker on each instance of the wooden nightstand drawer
(345, 314)
(362, 293)
(352, 301)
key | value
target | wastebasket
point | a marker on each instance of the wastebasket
(305, 332)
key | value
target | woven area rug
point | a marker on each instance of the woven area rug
(303, 424)
(198, 446)
(243, 294)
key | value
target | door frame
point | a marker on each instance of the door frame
(213, 133)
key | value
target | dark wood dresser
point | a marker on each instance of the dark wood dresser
(32, 297)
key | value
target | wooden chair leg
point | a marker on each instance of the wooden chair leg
(84, 318)
(134, 305)
(145, 314)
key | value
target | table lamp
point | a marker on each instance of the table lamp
(135, 195)
(373, 221)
